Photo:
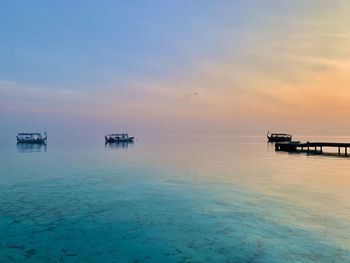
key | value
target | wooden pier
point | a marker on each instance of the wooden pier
(312, 147)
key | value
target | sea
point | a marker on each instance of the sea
(173, 199)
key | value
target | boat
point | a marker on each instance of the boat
(279, 137)
(31, 138)
(118, 137)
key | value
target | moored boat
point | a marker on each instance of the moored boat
(33, 137)
(279, 137)
(118, 137)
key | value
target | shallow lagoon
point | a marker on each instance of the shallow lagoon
(172, 199)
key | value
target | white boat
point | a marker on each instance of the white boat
(31, 138)
(118, 137)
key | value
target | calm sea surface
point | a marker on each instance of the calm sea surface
(172, 199)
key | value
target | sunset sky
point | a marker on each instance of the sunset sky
(176, 67)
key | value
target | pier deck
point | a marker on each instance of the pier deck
(312, 147)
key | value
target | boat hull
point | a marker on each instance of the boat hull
(120, 140)
(33, 141)
(278, 139)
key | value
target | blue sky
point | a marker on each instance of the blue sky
(198, 63)
(72, 43)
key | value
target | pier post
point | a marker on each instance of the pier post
(346, 151)
(338, 150)
(321, 150)
(315, 149)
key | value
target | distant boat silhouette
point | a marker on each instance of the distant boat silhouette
(31, 138)
(119, 137)
(278, 137)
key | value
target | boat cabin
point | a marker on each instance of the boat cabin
(119, 135)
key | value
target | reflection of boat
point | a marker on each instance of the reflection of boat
(279, 137)
(119, 137)
(31, 147)
(31, 138)
(118, 145)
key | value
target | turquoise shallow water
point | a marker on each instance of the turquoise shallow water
(172, 199)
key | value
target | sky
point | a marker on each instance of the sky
(175, 67)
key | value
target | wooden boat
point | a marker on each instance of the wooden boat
(31, 138)
(279, 137)
(118, 137)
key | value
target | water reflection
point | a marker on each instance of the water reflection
(118, 145)
(317, 153)
(31, 147)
